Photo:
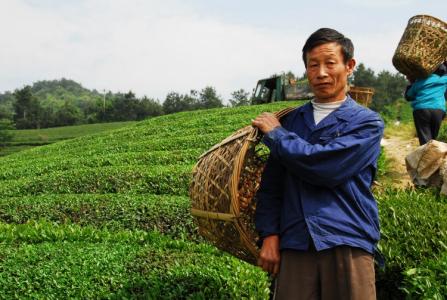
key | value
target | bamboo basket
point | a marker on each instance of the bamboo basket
(422, 48)
(362, 95)
(225, 180)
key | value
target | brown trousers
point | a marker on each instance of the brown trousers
(339, 273)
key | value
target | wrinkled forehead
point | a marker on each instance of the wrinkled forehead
(324, 51)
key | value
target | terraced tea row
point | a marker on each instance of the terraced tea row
(88, 150)
(42, 260)
(17, 169)
(171, 126)
(173, 180)
(165, 214)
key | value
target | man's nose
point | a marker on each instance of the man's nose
(322, 72)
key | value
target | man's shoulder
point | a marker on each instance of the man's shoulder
(361, 114)
(299, 109)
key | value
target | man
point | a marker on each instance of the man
(316, 216)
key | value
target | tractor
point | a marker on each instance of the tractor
(282, 88)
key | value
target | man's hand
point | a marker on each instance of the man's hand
(269, 256)
(266, 122)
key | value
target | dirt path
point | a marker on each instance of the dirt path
(396, 149)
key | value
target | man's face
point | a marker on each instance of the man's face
(327, 73)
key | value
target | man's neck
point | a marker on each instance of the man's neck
(325, 101)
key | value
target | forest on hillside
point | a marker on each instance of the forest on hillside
(65, 102)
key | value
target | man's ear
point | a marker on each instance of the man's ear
(350, 65)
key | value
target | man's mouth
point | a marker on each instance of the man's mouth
(323, 84)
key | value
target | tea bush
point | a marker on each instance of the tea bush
(75, 215)
(413, 231)
(42, 260)
(165, 214)
(428, 280)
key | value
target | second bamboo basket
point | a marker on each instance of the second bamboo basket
(422, 48)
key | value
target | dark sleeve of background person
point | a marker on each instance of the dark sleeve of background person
(442, 69)
(407, 97)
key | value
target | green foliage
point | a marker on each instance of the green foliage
(388, 87)
(428, 281)
(42, 260)
(172, 180)
(413, 231)
(6, 134)
(6, 106)
(104, 195)
(382, 163)
(165, 214)
(27, 109)
(442, 135)
(240, 98)
(176, 102)
(364, 76)
(65, 102)
(28, 138)
(208, 98)
(56, 134)
(400, 110)
(20, 168)
(125, 107)
(205, 99)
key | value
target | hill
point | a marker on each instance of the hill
(65, 102)
(107, 216)
(54, 93)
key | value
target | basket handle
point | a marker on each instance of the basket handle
(283, 112)
(278, 114)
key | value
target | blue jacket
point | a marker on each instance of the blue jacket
(316, 184)
(428, 93)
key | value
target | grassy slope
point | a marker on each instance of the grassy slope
(29, 138)
(133, 178)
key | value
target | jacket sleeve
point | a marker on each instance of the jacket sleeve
(269, 198)
(332, 163)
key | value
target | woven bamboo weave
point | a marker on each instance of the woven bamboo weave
(362, 95)
(422, 48)
(225, 179)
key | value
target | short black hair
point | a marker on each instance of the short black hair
(328, 35)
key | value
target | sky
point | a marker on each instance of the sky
(155, 47)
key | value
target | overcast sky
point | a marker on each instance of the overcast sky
(153, 47)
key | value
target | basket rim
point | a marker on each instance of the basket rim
(361, 90)
(428, 17)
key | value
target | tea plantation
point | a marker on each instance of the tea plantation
(107, 216)
(28, 138)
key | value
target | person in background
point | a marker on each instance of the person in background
(315, 214)
(427, 97)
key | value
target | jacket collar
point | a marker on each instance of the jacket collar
(344, 112)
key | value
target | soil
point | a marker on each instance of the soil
(396, 149)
